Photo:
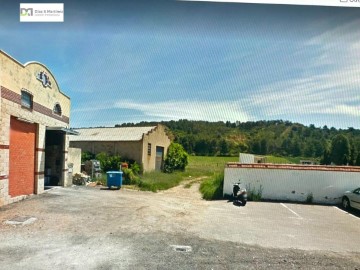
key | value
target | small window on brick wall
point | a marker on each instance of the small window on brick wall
(26, 100)
(149, 149)
(57, 109)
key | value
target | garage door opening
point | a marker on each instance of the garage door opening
(54, 158)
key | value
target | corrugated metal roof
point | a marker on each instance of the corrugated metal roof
(111, 134)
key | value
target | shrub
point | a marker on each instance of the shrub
(253, 194)
(128, 176)
(136, 168)
(101, 180)
(87, 156)
(309, 198)
(107, 162)
(176, 159)
(212, 188)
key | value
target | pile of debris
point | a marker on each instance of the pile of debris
(80, 179)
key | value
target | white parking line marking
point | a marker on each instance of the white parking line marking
(346, 212)
(292, 211)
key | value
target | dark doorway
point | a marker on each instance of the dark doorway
(54, 158)
(159, 158)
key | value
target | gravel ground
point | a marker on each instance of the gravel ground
(94, 228)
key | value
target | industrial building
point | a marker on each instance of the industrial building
(34, 126)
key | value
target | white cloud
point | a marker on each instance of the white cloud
(327, 86)
(190, 109)
(344, 109)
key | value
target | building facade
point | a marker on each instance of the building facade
(146, 145)
(34, 125)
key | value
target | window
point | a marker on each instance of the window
(57, 109)
(26, 100)
(149, 149)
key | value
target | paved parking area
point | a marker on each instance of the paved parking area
(90, 228)
(285, 225)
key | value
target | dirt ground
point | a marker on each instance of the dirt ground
(96, 228)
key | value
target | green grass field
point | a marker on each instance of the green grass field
(284, 160)
(198, 167)
(207, 166)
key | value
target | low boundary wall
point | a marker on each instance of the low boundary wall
(325, 184)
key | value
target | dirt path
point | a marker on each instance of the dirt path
(188, 189)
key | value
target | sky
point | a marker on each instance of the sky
(132, 61)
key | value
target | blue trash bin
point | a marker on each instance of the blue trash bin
(114, 179)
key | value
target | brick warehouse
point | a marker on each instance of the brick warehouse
(34, 127)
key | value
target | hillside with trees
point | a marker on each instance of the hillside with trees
(278, 138)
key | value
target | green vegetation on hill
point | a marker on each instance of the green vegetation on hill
(276, 138)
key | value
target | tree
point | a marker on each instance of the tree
(224, 147)
(357, 162)
(326, 156)
(319, 148)
(176, 159)
(326, 159)
(108, 162)
(353, 154)
(309, 149)
(86, 155)
(263, 146)
(340, 150)
(255, 146)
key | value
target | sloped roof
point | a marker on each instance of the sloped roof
(111, 134)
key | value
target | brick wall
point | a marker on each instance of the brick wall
(16, 98)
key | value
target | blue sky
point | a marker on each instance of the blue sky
(165, 60)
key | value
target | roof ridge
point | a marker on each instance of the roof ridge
(112, 134)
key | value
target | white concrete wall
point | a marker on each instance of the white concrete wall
(74, 157)
(246, 158)
(294, 183)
